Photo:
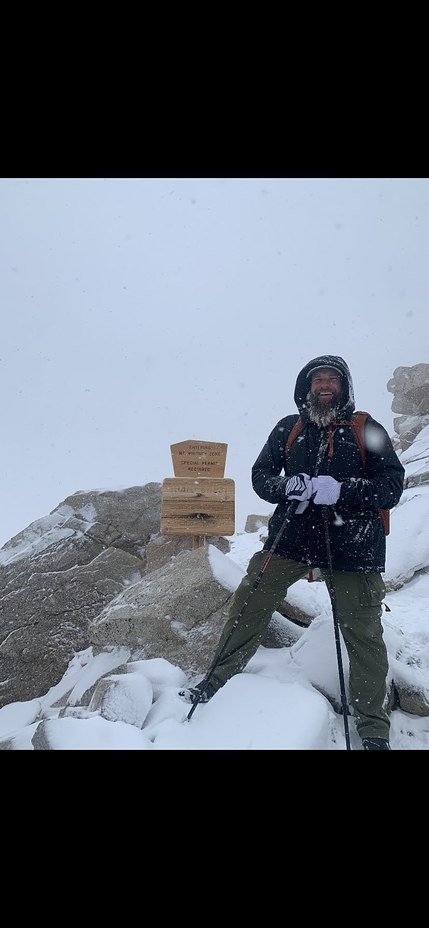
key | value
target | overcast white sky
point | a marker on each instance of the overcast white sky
(140, 312)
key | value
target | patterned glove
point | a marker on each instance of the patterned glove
(299, 487)
(327, 490)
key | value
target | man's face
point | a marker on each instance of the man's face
(325, 386)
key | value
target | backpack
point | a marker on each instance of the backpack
(357, 423)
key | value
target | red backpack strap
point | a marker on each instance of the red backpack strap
(295, 430)
(358, 423)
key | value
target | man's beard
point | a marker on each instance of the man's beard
(322, 413)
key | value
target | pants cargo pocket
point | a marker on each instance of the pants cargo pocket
(371, 590)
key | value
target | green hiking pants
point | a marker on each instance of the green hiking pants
(359, 606)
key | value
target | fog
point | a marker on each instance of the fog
(141, 312)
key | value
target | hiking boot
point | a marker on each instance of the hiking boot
(375, 744)
(193, 693)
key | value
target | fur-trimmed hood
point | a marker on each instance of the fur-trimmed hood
(303, 385)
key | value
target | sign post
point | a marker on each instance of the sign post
(198, 500)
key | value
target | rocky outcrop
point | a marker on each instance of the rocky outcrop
(58, 574)
(45, 621)
(162, 548)
(255, 522)
(177, 611)
(410, 386)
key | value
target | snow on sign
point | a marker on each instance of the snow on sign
(198, 500)
(199, 458)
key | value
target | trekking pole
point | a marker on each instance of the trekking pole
(333, 598)
(290, 512)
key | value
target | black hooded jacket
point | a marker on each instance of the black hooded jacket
(356, 533)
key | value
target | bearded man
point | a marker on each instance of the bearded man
(323, 467)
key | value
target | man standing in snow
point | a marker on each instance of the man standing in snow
(322, 468)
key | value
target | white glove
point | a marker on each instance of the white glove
(327, 490)
(299, 487)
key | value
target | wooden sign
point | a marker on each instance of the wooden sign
(199, 458)
(197, 506)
